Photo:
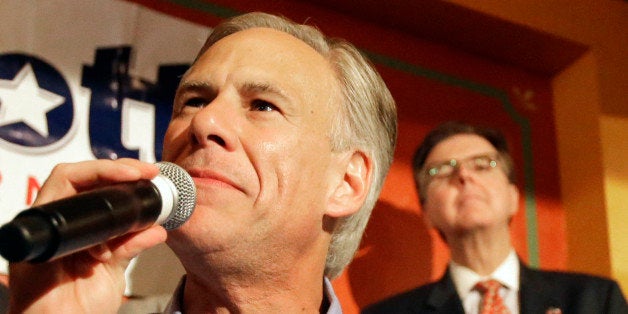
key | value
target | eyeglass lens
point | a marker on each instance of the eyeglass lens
(475, 163)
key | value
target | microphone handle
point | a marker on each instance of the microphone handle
(72, 224)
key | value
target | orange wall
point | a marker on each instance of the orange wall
(592, 90)
(615, 148)
(599, 24)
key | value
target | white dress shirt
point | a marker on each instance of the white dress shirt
(507, 273)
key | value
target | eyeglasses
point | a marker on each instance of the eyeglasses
(477, 164)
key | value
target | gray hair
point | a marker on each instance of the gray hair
(367, 120)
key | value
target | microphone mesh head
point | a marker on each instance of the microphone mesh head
(185, 194)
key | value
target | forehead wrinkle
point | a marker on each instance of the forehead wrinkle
(459, 146)
(247, 87)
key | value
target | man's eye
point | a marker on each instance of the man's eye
(195, 102)
(262, 105)
(445, 170)
(482, 163)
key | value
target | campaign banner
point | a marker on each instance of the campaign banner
(83, 80)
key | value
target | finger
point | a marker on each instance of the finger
(70, 178)
(123, 249)
(147, 170)
(96, 172)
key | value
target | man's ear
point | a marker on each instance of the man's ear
(350, 192)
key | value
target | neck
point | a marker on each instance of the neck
(295, 287)
(481, 251)
(285, 297)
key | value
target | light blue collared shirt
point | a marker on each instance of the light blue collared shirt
(174, 306)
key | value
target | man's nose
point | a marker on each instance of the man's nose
(463, 172)
(215, 124)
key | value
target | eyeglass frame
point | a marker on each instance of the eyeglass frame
(495, 161)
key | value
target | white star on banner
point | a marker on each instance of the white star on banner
(22, 100)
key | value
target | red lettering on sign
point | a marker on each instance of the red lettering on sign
(33, 188)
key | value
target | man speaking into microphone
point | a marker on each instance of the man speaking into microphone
(288, 136)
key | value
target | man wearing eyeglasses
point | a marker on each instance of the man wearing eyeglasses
(466, 183)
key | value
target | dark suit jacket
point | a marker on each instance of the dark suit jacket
(4, 298)
(540, 290)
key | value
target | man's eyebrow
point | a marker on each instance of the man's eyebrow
(196, 86)
(261, 87)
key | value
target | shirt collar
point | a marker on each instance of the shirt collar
(175, 304)
(334, 303)
(507, 273)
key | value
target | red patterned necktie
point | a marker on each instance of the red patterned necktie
(492, 302)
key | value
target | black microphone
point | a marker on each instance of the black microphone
(65, 226)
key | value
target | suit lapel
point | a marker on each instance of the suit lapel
(535, 293)
(444, 298)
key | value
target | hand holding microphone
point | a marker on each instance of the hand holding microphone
(75, 223)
